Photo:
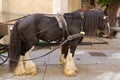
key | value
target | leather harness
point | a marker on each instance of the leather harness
(63, 24)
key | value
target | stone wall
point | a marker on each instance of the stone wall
(11, 9)
(23, 7)
(30, 6)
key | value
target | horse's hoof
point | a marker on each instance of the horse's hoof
(31, 72)
(34, 73)
(19, 73)
(70, 71)
(30, 68)
(62, 62)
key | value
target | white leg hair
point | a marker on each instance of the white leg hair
(62, 59)
(70, 69)
(20, 70)
(30, 67)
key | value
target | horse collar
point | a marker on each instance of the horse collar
(62, 24)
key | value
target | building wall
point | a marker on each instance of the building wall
(0, 5)
(30, 6)
(23, 7)
(11, 9)
(60, 6)
(74, 5)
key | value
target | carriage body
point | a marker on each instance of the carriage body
(3, 48)
(3, 29)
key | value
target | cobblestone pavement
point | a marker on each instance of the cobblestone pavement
(94, 62)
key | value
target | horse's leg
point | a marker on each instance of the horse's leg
(30, 67)
(70, 68)
(20, 70)
(64, 52)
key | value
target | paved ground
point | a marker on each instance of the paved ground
(94, 62)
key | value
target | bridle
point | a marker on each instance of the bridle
(107, 27)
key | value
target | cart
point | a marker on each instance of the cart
(3, 53)
(3, 48)
(4, 31)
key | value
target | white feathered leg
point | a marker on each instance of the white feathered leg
(30, 67)
(20, 70)
(62, 59)
(70, 69)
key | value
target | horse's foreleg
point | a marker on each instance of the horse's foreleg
(70, 68)
(30, 67)
(62, 59)
(20, 70)
(64, 52)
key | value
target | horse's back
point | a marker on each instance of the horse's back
(30, 20)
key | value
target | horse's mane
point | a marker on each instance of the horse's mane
(92, 20)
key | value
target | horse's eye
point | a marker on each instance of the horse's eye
(104, 17)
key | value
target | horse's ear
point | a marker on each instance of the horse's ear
(106, 10)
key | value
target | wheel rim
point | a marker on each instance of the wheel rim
(3, 58)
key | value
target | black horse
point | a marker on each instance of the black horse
(27, 32)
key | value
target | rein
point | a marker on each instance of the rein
(41, 31)
(6, 22)
(53, 15)
(69, 38)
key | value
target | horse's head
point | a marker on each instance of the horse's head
(104, 26)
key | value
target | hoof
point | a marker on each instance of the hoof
(70, 68)
(31, 73)
(62, 60)
(30, 68)
(70, 72)
(19, 72)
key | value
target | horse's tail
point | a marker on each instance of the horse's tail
(14, 47)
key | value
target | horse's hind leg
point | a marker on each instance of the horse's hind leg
(64, 52)
(25, 67)
(20, 70)
(30, 67)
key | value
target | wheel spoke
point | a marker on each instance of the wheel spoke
(5, 56)
(2, 59)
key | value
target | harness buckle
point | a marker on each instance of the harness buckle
(82, 32)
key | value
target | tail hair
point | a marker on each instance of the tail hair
(14, 47)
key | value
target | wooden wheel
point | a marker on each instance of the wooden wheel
(3, 54)
(3, 58)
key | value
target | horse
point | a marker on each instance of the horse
(28, 31)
